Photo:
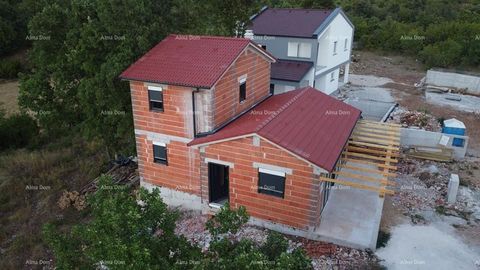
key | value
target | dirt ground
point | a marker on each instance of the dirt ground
(419, 205)
(405, 72)
(8, 96)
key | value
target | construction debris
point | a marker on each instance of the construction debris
(191, 224)
(123, 172)
(423, 187)
(422, 120)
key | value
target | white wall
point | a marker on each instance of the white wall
(415, 137)
(338, 30)
(281, 88)
(325, 84)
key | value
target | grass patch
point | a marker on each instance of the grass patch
(383, 238)
(31, 182)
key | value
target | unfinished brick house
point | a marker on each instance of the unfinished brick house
(208, 130)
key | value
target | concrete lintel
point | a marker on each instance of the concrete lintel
(159, 137)
(272, 167)
(221, 162)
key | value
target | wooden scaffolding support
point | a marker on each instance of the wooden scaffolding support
(375, 144)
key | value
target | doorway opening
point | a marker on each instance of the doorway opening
(218, 183)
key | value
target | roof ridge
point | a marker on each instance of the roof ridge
(280, 110)
(212, 37)
(306, 9)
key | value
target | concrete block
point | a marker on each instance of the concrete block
(453, 188)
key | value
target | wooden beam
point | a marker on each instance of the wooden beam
(364, 178)
(366, 139)
(370, 151)
(370, 157)
(378, 127)
(380, 136)
(379, 123)
(361, 169)
(360, 186)
(367, 129)
(381, 165)
(374, 145)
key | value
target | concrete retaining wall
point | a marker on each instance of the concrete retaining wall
(418, 137)
(453, 79)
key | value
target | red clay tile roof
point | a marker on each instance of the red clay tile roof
(305, 121)
(193, 61)
(289, 22)
(289, 70)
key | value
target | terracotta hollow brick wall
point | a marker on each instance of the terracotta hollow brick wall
(175, 120)
(257, 69)
(182, 172)
(299, 207)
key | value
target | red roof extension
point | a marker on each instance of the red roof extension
(193, 61)
(305, 121)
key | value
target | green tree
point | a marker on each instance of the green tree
(123, 233)
(74, 82)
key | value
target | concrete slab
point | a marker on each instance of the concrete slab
(351, 216)
(371, 109)
(460, 102)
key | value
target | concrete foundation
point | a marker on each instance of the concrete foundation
(351, 216)
(176, 198)
(471, 82)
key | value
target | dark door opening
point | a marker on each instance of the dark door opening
(218, 183)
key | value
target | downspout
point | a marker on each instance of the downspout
(193, 112)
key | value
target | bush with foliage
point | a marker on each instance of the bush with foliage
(9, 69)
(18, 130)
(137, 232)
(442, 33)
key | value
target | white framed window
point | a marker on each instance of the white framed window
(346, 45)
(292, 49)
(332, 76)
(160, 153)
(271, 182)
(299, 49)
(305, 50)
(334, 48)
(155, 98)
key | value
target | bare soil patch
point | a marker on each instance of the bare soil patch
(8, 96)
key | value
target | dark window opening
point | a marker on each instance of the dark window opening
(155, 99)
(243, 91)
(160, 154)
(264, 47)
(271, 184)
(272, 88)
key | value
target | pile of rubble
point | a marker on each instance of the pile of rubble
(347, 258)
(422, 188)
(418, 119)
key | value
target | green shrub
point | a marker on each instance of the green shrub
(227, 220)
(9, 69)
(17, 131)
(442, 54)
(276, 244)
